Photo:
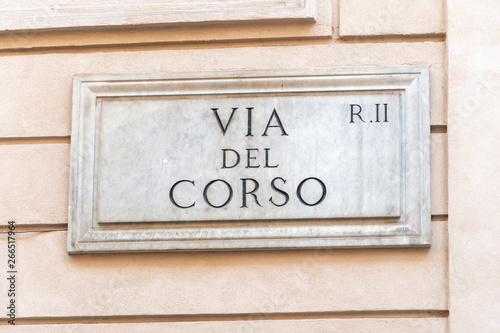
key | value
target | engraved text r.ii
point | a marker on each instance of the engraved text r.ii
(376, 117)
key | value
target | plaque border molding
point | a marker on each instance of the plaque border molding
(57, 16)
(413, 228)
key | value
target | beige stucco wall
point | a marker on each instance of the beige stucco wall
(373, 290)
(473, 97)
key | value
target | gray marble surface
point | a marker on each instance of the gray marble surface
(146, 146)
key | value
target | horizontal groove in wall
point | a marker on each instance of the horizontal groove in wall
(35, 140)
(439, 218)
(67, 139)
(229, 43)
(24, 228)
(439, 129)
(439, 37)
(20, 228)
(389, 314)
(155, 46)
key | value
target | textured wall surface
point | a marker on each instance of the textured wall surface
(474, 153)
(372, 290)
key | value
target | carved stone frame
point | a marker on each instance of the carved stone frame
(71, 15)
(413, 228)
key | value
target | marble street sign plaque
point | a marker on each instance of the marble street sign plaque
(250, 160)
